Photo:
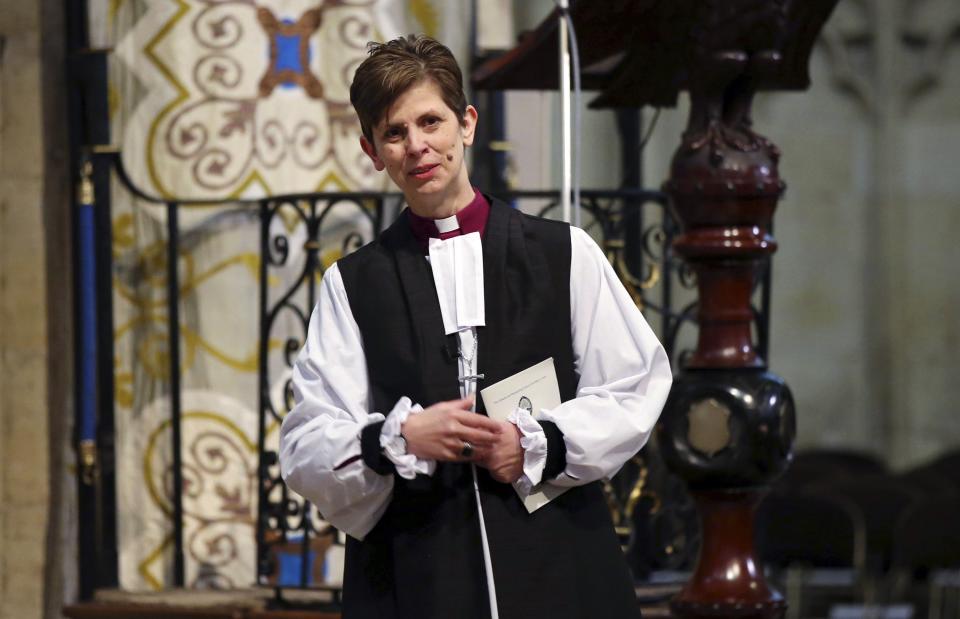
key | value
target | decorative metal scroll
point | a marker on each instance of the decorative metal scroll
(292, 539)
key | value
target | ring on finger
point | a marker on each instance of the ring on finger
(467, 450)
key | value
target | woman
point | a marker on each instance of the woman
(459, 293)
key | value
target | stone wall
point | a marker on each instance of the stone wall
(35, 305)
(24, 492)
(865, 320)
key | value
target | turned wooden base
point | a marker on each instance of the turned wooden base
(728, 581)
(760, 610)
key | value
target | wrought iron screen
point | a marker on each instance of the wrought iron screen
(651, 509)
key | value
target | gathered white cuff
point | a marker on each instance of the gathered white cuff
(395, 446)
(534, 443)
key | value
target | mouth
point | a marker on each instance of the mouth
(423, 171)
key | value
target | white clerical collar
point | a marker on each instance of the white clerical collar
(447, 224)
(457, 265)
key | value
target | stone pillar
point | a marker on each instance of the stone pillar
(24, 467)
(36, 307)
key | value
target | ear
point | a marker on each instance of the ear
(469, 125)
(371, 151)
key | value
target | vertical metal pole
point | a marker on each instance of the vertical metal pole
(92, 547)
(87, 304)
(629, 123)
(173, 330)
(313, 261)
(565, 137)
(97, 554)
(109, 562)
(263, 465)
(305, 546)
(667, 268)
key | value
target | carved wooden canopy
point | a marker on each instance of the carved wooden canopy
(644, 52)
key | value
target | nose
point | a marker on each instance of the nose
(416, 142)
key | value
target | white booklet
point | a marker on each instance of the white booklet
(534, 388)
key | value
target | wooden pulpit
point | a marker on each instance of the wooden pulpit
(728, 427)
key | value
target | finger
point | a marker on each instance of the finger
(451, 455)
(463, 404)
(478, 456)
(451, 406)
(477, 437)
(478, 453)
(452, 449)
(488, 457)
(481, 422)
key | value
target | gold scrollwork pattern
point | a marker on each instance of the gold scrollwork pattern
(219, 497)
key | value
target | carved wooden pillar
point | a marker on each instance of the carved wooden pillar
(729, 425)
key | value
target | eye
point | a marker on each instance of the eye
(392, 134)
(431, 121)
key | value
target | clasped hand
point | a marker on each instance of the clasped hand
(440, 431)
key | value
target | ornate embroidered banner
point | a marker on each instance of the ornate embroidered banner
(221, 99)
(245, 99)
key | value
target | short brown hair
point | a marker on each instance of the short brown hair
(397, 65)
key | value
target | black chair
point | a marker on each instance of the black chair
(946, 466)
(926, 557)
(814, 467)
(882, 500)
(812, 530)
(949, 464)
(930, 482)
(816, 546)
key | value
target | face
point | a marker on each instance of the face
(420, 143)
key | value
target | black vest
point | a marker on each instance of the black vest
(424, 558)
